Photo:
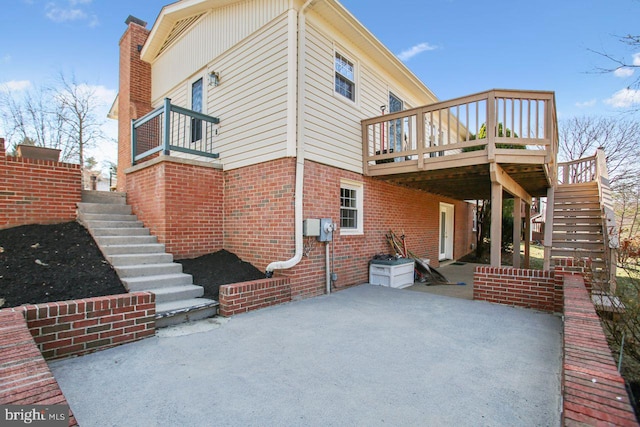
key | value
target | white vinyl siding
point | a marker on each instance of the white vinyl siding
(251, 100)
(212, 35)
(332, 130)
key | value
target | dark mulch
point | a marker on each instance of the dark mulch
(46, 263)
(219, 268)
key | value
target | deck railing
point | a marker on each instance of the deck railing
(492, 121)
(172, 128)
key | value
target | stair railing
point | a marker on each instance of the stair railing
(578, 171)
(609, 227)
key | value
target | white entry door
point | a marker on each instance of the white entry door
(446, 232)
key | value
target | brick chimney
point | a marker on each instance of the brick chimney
(134, 98)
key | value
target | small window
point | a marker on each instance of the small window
(196, 105)
(351, 215)
(345, 77)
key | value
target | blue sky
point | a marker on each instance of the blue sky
(456, 47)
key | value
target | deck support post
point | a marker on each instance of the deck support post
(517, 230)
(527, 236)
(496, 224)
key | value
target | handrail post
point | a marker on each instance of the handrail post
(133, 142)
(167, 127)
(491, 127)
(420, 137)
(365, 149)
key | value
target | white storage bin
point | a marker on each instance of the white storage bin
(395, 274)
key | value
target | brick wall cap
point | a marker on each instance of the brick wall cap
(172, 159)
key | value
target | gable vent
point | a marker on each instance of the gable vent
(178, 29)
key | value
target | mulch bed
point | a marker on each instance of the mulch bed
(219, 268)
(47, 263)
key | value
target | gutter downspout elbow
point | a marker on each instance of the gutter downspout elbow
(300, 154)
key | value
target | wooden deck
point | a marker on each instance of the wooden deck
(455, 148)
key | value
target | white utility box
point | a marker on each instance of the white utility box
(393, 273)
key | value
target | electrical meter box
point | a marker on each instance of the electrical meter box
(326, 230)
(311, 227)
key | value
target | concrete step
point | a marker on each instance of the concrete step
(122, 231)
(113, 224)
(177, 293)
(104, 208)
(144, 270)
(172, 313)
(140, 259)
(124, 249)
(125, 240)
(110, 197)
(154, 282)
(93, 217)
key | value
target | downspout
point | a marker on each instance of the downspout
(299, 187)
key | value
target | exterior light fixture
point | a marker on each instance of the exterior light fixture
(214, 79)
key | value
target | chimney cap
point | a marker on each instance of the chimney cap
(135, 20)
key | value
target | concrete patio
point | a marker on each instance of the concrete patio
(460, 277)
(368, 355)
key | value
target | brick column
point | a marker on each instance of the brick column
(134, 97)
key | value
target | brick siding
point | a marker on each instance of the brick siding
(134, 93)
(247, 296)
(71, 328)
(25, 378)
(180, 203)
(37, 191)
(259, 225)
(593, 391)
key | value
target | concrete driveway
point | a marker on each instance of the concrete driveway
(365, 356)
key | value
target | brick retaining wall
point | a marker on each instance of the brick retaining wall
(247, 296)
(25, 378)
(37, 191)
(593, 391)
(535, 289)
(68, 328)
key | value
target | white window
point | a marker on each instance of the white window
(345, 77)
(351, 207)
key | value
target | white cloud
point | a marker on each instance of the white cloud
(623, 72)
(71, 10)
(636, 59)
(57, 14)
(407, 54)
(15, 85)
(586, 104)
(624, 98)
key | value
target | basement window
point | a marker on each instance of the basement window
(351, 207)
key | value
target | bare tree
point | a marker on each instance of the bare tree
(619, 137)
(62, 116)
(76, 108)
(619, 64)
(627, 206)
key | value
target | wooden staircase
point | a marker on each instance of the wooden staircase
(582, 214)
(577, 223)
